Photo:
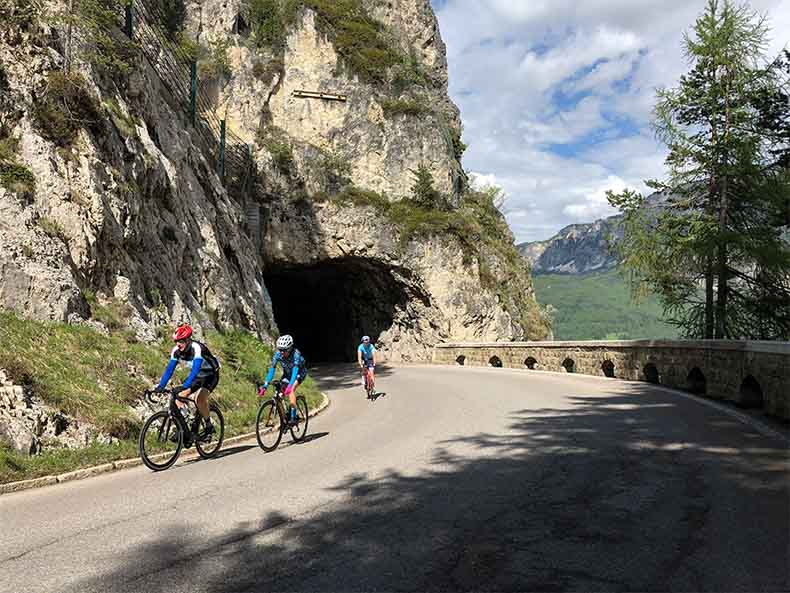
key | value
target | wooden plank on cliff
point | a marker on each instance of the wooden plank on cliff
(319, 95)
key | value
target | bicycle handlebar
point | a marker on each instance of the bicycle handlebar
(149, 393)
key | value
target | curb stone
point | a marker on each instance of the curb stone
(89, 472)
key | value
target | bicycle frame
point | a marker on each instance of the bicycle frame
(172, 408)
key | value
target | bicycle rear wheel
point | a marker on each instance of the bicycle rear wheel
(268, 426)
(299, 429)
(161, 441)
(210, 447)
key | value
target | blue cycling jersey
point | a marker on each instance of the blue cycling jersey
(193, 356)
(293, 365)
(367, 351)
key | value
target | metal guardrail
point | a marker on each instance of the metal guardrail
(229, 155)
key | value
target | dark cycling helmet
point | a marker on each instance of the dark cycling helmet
(183, 332)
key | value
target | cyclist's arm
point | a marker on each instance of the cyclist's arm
(270, 375)
(374, 356)
(171, 367)
(359, 355)
(196, 364)
(294, 374)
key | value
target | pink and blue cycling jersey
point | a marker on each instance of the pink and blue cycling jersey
(294, 366)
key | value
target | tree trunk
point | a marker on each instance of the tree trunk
(721, 294)
(709, 299)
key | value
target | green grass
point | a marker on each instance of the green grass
(95, 378)
(598, 306)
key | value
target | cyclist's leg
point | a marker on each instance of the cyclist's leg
(201, 389)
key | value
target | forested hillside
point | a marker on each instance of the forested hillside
(598, 306)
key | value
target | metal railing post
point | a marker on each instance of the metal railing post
(128, 26)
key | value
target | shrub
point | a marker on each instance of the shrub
(266, 21)
(275, 141)
(19, 14)
(172, 16)
(52, 228)
(410, 107)
(458, 146)
(66, 107)
(424, 194)
(17, 178)
(215, 64)
(96, 34)
(266, 71)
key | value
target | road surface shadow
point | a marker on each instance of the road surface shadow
(331, 377)
(311, 437)
(617, 493)
(227, 452)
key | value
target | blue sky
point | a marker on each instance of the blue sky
(556, 96)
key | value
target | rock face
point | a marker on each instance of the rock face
(28, 425)
(130, 212)
(580, 248)
(132, 215)
(576, 249)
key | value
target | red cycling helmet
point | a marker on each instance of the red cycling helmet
(183, 332)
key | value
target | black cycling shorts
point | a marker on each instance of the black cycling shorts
(208, 381)
(300, 377)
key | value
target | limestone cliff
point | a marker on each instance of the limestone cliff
(131, 214)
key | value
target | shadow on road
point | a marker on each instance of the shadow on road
(228, 452)
(332, 377)
(618, 493)
(312, 437)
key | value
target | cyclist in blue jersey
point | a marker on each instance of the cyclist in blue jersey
(294, 371)
(366, 357)
(203, 377)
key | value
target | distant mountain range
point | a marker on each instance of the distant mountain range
(576, 274)
(580, 248)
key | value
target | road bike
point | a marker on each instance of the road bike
(272, 419)
(370, 383)
(166, 432)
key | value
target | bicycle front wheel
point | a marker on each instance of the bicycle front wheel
(299, 429)
(268, 426)
(210, 446)
(161, 441)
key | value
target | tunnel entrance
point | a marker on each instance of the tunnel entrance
(328, 306)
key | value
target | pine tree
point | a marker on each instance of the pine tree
(715, 253)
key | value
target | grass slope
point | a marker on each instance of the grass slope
(95, 377)
(598, 306)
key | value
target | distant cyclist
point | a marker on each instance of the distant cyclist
(203, 377)
(294, 372)
(366, 357)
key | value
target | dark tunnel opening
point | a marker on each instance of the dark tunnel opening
(328, 306)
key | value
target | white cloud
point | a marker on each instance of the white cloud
(556, 96)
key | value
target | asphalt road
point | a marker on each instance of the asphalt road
(454, 478)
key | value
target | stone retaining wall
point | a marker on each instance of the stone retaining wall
(751, 374)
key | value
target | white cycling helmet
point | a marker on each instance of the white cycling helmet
(366, 338)
(285, 342)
